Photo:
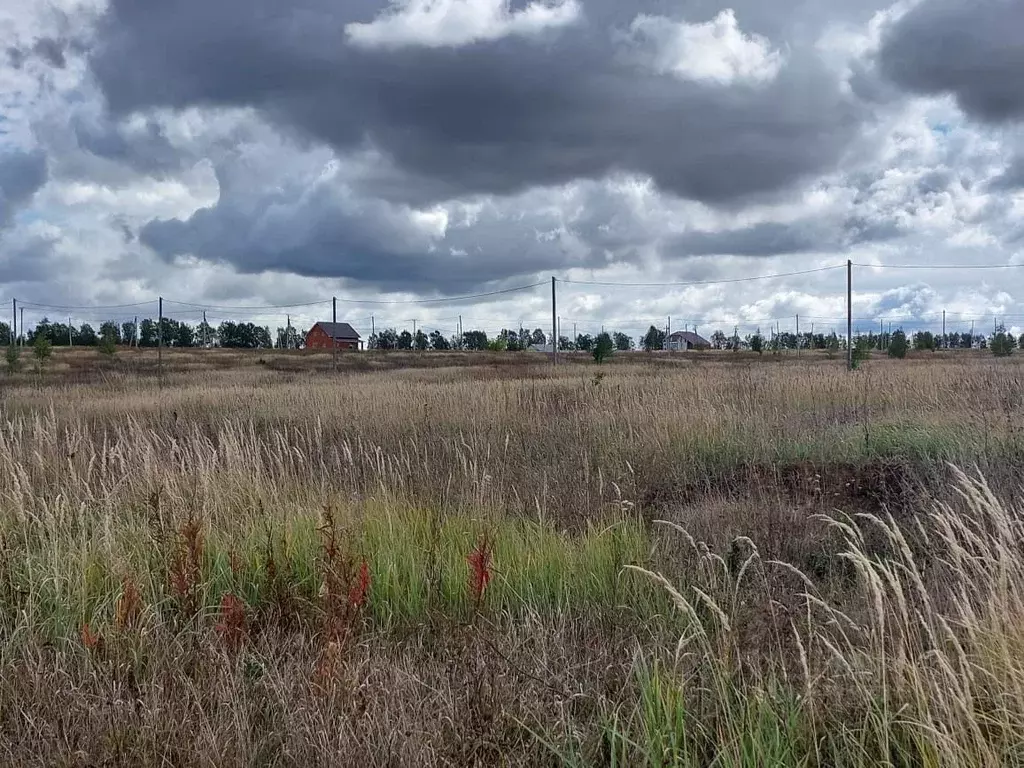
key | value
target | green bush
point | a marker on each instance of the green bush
(898, 345)
(603, 347)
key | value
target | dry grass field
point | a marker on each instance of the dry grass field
(456, 559)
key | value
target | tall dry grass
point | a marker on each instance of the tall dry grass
(462, 566)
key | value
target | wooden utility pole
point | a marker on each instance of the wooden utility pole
(849, 314)
(21, 328)
(334, 343)
(160, 342)
(799, 341)
(554, 323)
(944, 345)
(14, 321)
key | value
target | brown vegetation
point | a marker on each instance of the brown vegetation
(487, 561)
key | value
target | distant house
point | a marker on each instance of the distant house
(333, 336)
(686, 340)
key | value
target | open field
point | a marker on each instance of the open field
(431, 559)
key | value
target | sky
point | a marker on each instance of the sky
(255, 159)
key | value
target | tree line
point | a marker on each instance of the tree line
(147, 333)
(229, 334)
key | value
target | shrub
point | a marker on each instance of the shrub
(898, 345)
(13, 358)
(1002, 343)
(603, 347)
(42, 349)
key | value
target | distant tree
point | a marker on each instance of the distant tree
(499, 344)
(6, 337)
(185, 335)
(538, 337)
(756, 343)
(107, 346)
(1020, 342)
(438, 342)
(421, 341)
(148, 333)
(862, 347)
(719, 340)
(475, 340)
(603, 347)
(110, 330)
(286, 338)
(41, 349)
(13, 358)
(898, 345)
(653, 339)
(1002, 342)
(85, 336)
(623, 342)
(385, 339)
(584, 342)
(565, 344)
(924, 340)
(128, 332)
(514, 340)
(832, 344)
(405, 340)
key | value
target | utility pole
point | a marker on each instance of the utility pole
(972, 334)
(799, 341)
(554, 323)
(206, 332)
(334, 343)
(160, 342)
(849, 314)
(373, 326)
(70, 342)
(944, 345)
(14, 321)
(460, 329)
(21, 328)
(135, 332)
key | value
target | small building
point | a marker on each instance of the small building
(682, 340)
(333, 336)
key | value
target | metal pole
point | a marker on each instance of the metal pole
(799, 341)
(14, 321)
(849, 314)
(70, 342)
(160, 342)
(554, 323)
(373, 327)
(206, 332)
(21, 328)
(944, 329)
(334, 343)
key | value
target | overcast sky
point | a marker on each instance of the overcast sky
(246, 153)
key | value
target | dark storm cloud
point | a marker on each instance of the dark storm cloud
(324, 233)
(489, 117)
(1010, 179)
(21, 175)
(973, 49)
(147, 150)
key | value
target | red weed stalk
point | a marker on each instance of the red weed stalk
(128, 607)
(93, 641)
(360, 589)
(343, 595)
(186, 571)
(480, 569)
(232, 626)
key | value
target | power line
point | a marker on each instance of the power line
(940, 266)
(35, 305)
(707, 282)
(201, 307)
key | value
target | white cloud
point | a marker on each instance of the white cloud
(715, 52)
(441, 23)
